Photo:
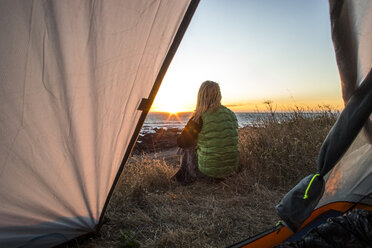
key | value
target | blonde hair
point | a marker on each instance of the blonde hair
(209, 99)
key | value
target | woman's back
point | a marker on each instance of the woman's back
(218, 151)
(214, 128)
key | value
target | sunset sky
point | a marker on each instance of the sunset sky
(257, 51)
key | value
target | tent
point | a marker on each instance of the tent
(77, 81)
(344, 178)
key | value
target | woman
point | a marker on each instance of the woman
(212, 132)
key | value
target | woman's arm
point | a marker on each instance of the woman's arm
(189, 134)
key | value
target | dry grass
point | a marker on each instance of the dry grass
(160, 213)
(279, 150)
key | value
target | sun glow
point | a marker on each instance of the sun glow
(172, 110)
(170, 104)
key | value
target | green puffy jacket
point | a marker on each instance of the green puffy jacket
(218, 151)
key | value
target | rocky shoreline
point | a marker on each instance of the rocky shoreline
(162, 139)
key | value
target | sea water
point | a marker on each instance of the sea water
(165, 120)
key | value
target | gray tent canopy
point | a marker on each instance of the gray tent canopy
(77, 80)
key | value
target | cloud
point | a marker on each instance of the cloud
(236, 105)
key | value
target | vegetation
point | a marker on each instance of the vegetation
(274, 155)
(127, 241)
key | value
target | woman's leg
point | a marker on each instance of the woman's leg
(189, 167)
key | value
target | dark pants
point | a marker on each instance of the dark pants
(189, 171)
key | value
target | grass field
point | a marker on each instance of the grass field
(150, 210)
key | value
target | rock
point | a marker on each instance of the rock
(154, 142)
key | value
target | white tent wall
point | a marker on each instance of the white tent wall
(72, 75)
(351, 178)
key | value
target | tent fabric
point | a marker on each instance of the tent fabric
(281, 233)
(295, 208)
(345, 130)
(346, 156)
(351, 34)
(353, 229)
(72, 76)
(351, 178)
(354, 57)
(313, 224)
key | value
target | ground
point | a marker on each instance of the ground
(150, 210)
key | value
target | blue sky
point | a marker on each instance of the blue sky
(257, 50)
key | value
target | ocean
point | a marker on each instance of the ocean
(164, 120)
(157, 120)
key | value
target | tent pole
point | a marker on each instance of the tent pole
(148, 102)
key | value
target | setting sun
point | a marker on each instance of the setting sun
(172, 109)
(166, 101)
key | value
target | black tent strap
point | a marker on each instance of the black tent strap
(144, 105)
